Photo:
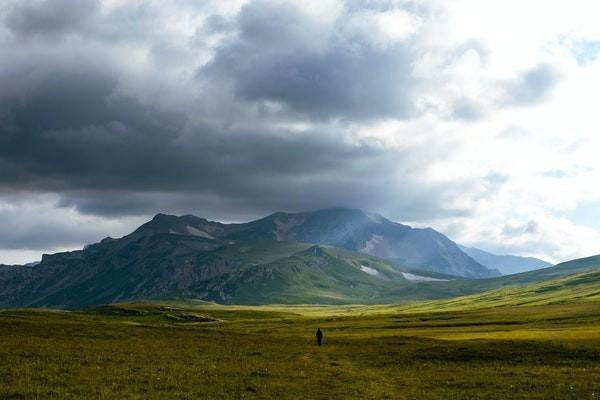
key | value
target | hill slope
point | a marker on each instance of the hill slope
(557, 271)
(581, 287)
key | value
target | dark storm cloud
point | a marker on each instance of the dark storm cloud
(111, 155)
(68, 131)
(279, 55)
(71, 132)
(49, 18)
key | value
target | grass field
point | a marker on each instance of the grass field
(172, 351)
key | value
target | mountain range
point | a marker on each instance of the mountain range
(350, 229)
(330, 256)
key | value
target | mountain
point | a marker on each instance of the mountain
(190, 257)
(147, 264)
(356, 230)
(159, 261)
(506, 264)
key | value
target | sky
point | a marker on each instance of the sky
(475, 117)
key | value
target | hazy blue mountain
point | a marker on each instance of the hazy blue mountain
(506, 264)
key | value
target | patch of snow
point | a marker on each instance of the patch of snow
(371, 243)
(420, 278)
(370, 271)
(197, 232)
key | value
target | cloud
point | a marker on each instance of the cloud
(117, 110)
(107, 147)
(38, 224)
(108, 154)
(531, 86)
(49, 18)
(466, 109)
(285, 56)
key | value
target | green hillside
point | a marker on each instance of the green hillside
(457, 287)
(577, 288)
(275, 272)
(562, 269)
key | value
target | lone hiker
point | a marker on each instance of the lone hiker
(319, 336)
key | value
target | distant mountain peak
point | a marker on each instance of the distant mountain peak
(507, 264)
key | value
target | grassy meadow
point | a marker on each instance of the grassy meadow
(192, 350)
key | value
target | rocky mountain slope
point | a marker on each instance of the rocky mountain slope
(351, 229)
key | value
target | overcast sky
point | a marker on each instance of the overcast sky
(477, 118)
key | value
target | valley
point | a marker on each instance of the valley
(193, 193)
(158, 350)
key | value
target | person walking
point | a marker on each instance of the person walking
(319, 336)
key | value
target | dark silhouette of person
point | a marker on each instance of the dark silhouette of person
(319, 336)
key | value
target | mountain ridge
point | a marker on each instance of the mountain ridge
(353, 229)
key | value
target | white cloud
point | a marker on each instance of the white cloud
(383, 28)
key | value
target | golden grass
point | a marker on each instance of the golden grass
(132, 351)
